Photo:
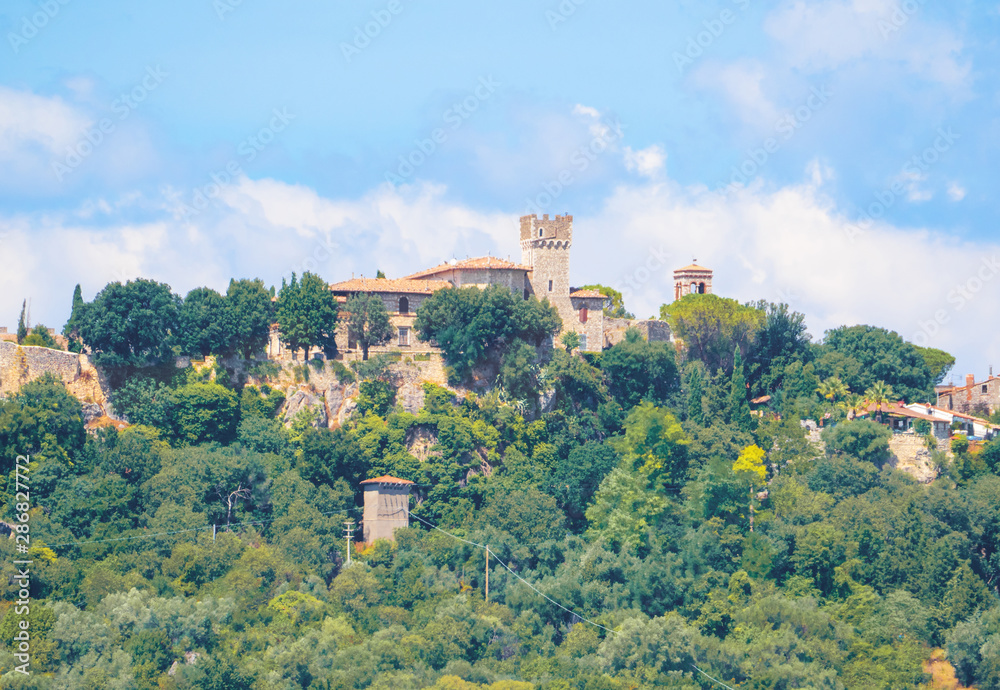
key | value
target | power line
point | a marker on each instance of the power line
(181, 531)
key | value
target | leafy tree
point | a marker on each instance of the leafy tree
(22, 324)
(376, 396)
(43, 420)
(72, 328)
(519, 372)
(624, 509)
(616, 303)
(368, 321)
(636, 370)
(40, 337)
(654, 445)
(201, 323)
(143, 401)
(712, 327)
(469, 324)
(578, 476)
(570, 340)
(863, 439)
(749, 467)
(249, 315)
(204, 412)
(307, 314)
(881, 355)
(938, 362)
(781, 340)
(134, 324)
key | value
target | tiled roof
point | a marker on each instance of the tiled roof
(897, 409)
(387, 479)
(693, 267)
(481, 262)
(953, 413)
(588, 294)
(404, 285)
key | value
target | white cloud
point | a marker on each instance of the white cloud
(648, 162)
(787, 244)
(956, 192)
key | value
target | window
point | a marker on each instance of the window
(583, 315)
(583, 341)
(404, 337)
(541, 232)
(694, 288)
(525, 293)
(550, 286)
(404, 305)
(701, 288)
(984, 388)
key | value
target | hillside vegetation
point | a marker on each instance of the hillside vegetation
(647, 526)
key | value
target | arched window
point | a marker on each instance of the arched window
(694, 288)
(404, 305)
(701, 288)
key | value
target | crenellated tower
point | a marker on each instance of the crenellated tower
(545, 245)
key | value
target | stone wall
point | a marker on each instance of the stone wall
(652, 330)
(911, 455)
(20, 365)
(972, 396)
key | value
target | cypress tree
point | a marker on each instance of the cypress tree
(739, 407)
(22, 325)
(695, 385)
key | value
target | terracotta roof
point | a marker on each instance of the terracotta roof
(953, 413)
(693, 267)
(588, 294)
(387, 479)
(481, 262)
(897, 409)
(422, 287)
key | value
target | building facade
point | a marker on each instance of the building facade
(692, 280)
(387, 507)
(973, 396)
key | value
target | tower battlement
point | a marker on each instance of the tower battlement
(558, 228)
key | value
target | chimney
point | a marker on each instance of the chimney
(970, 380)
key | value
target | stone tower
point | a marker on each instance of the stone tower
(692, 280)
(545, 245)
(387, 507)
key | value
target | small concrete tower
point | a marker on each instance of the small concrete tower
(692, 280)
(387, 507)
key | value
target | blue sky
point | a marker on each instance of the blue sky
(838, 155)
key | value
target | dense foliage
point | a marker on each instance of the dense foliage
(646, 529)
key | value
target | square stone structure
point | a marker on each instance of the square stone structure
(387, 507)
(692, 280)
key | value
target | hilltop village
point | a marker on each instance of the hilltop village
(480, 475)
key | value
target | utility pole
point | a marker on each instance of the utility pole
(487, 574)
(349, 533)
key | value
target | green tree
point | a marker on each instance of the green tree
(694, 384)
(712, 327)
(22, 324)
(781, 340)
(938, 362)
(42, 419)
(654, 445)
(570, 340)
(616, 303)
(307, 314)
(636, 370)
(131, 324)
(249, 315)
(40, 337)
(143, 401)
(201, 323)
(368, 321)
(879, 394)
(862, 439)
(739, 406)
(72, 328)
(470, 324)
(749, 468)
(204, 412)
(880, 355)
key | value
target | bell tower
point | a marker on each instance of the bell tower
(692, 280)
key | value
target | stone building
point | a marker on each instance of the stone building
(973, 396)
(692, 280)
(387, 507)
(545, 247)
